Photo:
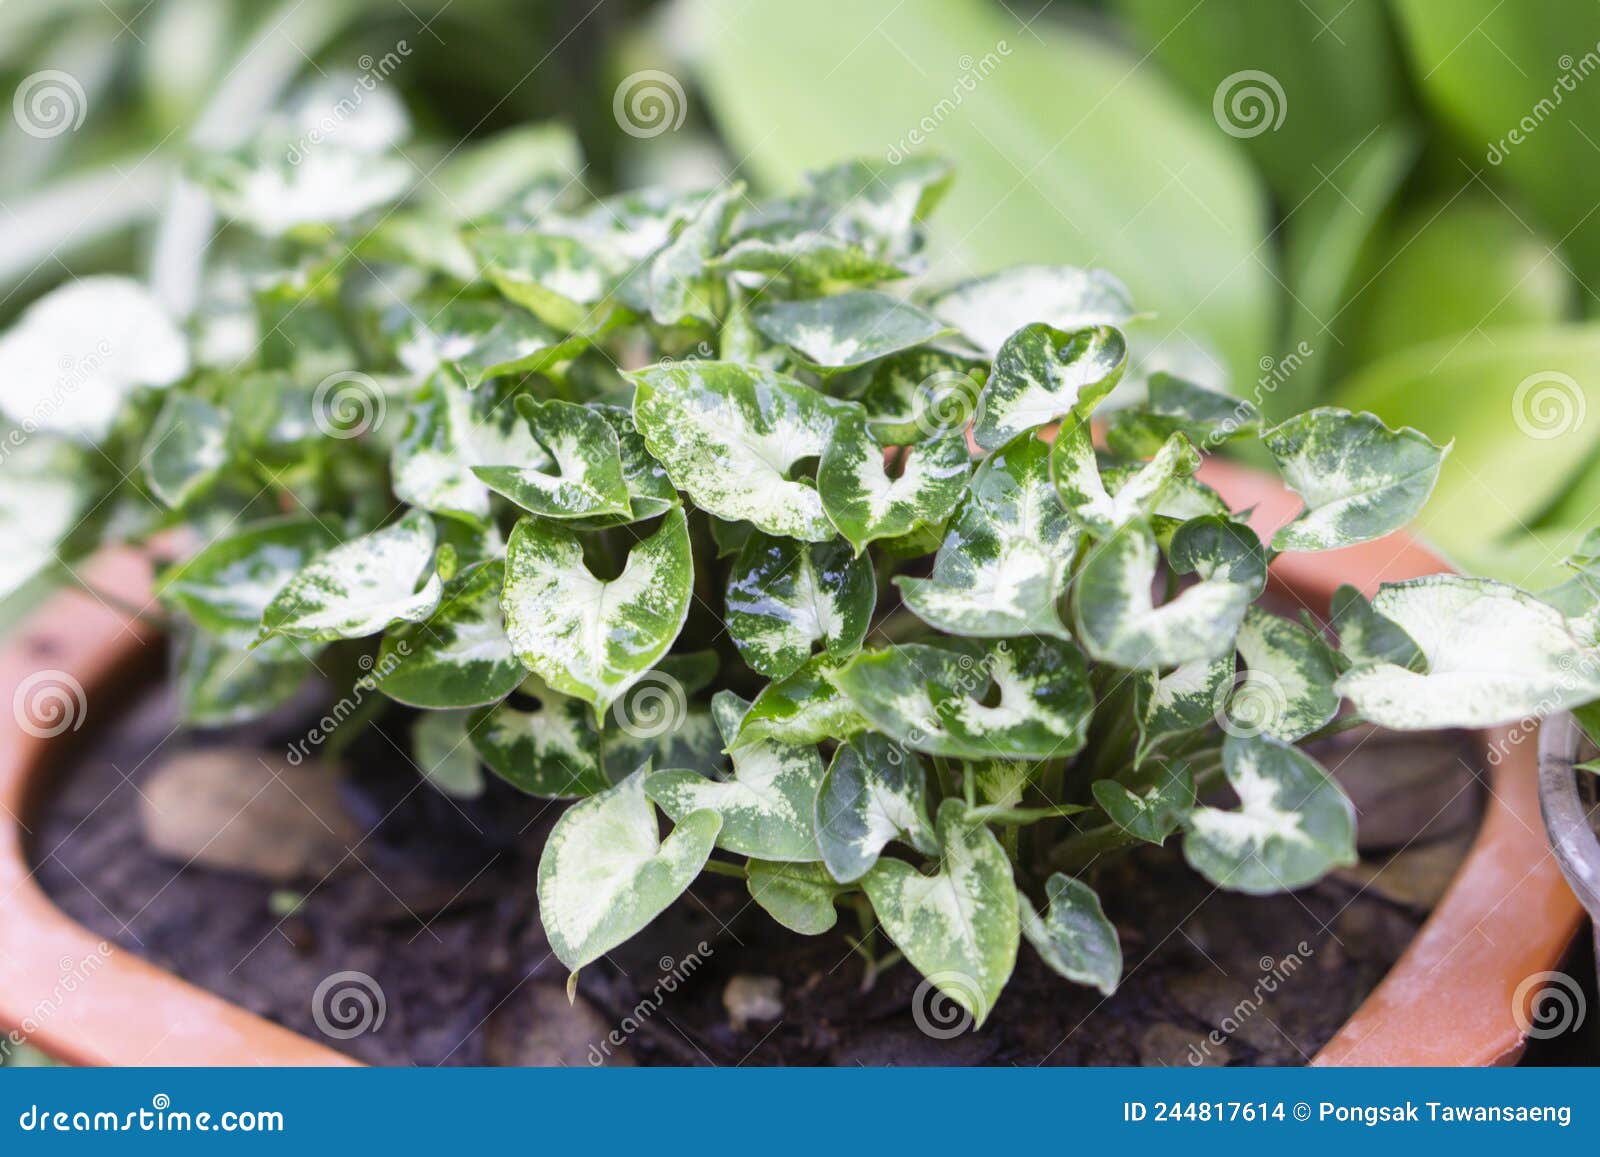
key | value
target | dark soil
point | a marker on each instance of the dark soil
(438, 905)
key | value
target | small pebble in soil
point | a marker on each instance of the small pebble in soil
(752, 998)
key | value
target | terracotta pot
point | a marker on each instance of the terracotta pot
(1447, 1001)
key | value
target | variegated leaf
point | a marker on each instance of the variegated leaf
(866, 504)
(582, 476)
(1076, 471)
(1006, 560)
(606, 872)
(551, 750)
(186, 450)
(785, 597)
(562, 280)
(1177, 702)
(448, 432)
(910, 395)
(1360, 480)
(587, 637)
(1494, 655)
(1293, 824)
(458, 657)
(1175, 406)
(848, 329)
(48, 488)
(221, 684)
(1287, 690)
(768, 805)
(482, 338)
(650, 491)
(990, 309)
(730, 433)
(227, 586)
(1043, 374)
(875, 792)
(1026, 698)
(1150, 801)
(443, 755)
(75, 355)
(805, 707)
(1367, 637)
(809, 258)
(1118, 620)
(959, 928)
(361, 586)
(682, 286)
(691, 739)
(798, 896)
(1073, 936)
(880, 205)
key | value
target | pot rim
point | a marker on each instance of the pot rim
(1566, 819)
(134, 1013)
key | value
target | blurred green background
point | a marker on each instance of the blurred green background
(1385, 204)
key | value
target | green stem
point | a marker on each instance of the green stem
(1014, 816)
(1077, 852)
(734, 871)
(1337, 727)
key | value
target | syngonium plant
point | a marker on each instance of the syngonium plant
(670, 504)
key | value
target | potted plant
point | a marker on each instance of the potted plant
(665, 505)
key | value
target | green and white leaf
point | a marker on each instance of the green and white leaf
(1043, 374)
(866, 504)
(729, 434)
(1149, 801)
(848, 329)
(1207, 418)
(805, 707)
(958, 928)
(445, 758)
(186, 450)
(362, 586)
(1494, 654)
(551, 751)
(1118, 620)
(1100, 511)
(768, 806)
(1177, 702)
(875, 792)
(990, 309)
(798, 896)
(1293, 824)
(588, 637)
(1007, 558)
(222, 684)
(562, 280)
(650, 491)
(682, 284)
(483, 338)
(1367, 637)
(1287, 690)
(47, 490)
(786, 597)
(1360, 480)
(458, 657)
(1073, 936)
(910, 395)
(1025, 698)
(73, 357)
(606, 872)
(582, 473)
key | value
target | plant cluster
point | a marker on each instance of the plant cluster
(668, 504)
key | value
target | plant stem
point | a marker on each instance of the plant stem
(1336, 727)
(735, 871)
(1076, 852)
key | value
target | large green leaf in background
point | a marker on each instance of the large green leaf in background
(1067, 150)
(1523, 409)
(1491, 69)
